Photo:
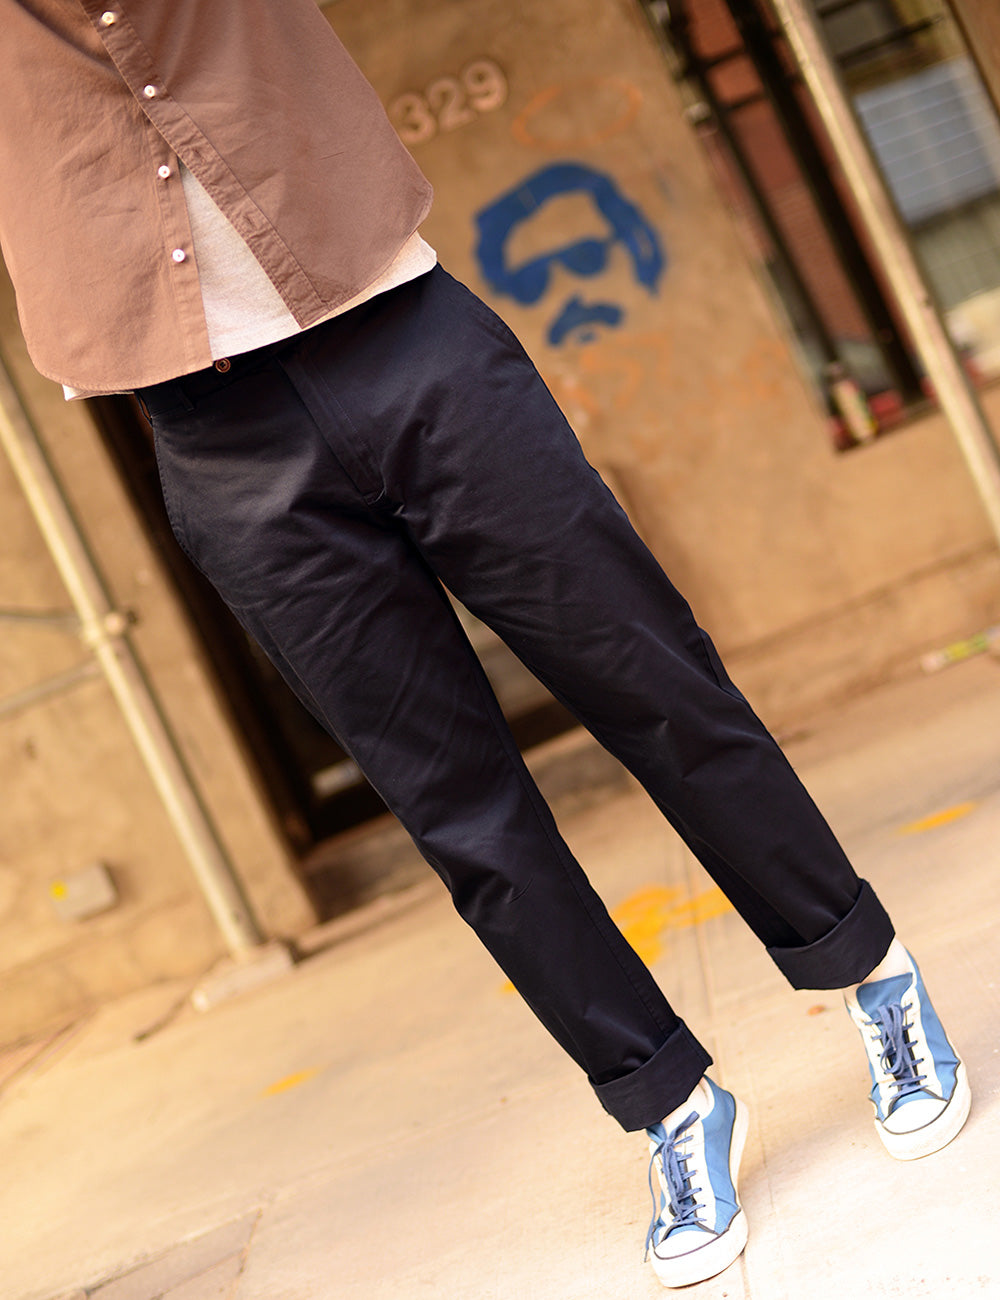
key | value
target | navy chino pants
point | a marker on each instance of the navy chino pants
(328, 485)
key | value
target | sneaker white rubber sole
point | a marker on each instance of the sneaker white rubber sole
(717, 1253)
(941, 1130)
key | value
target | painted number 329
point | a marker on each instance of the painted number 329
(449, 102)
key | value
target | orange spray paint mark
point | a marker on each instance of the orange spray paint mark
(290, 1081)
(939, 818)
(650, 913)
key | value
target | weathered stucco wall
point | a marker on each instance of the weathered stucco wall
(544, 125)
(74, 788)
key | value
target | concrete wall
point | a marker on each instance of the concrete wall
(74, 789)
(817, 573)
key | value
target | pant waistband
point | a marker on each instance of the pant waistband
(182, 393)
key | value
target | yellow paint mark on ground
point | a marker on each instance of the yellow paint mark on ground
(290, 1081)
(939, 818)
(647, 915)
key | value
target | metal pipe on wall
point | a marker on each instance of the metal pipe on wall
(104, 631)
(959, 403)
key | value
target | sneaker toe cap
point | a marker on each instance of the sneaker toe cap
(682, 1241)
(914, 1114)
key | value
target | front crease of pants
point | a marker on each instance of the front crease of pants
(328, 486)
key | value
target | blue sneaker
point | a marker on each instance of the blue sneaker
(920, 1089)
(698, 1225)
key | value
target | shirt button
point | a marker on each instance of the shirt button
(163, 172)
(179, 255)
(223, 364)
(108, 18)
(149, 91)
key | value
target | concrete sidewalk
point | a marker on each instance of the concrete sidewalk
(387, 1120)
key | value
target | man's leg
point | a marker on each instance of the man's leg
(423, 442)
(324, 574)
(467, 446)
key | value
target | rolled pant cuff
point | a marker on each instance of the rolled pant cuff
(660, 1084)
(845, 954)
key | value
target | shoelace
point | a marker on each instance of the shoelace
(897, 1051)
(677, 1180)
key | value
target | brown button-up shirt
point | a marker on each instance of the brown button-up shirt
(98, 101)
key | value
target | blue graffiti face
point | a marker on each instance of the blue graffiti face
(625, 225)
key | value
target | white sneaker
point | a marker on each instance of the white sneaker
(698, 1226)
(920, 1090)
